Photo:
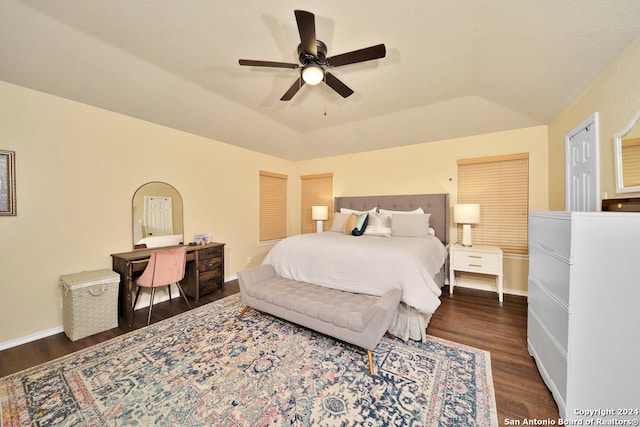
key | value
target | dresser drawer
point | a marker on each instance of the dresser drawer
(550, 312)
(551, 361)
(482, 262)
(551, 272)
(552, 234)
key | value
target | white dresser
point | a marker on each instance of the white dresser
(584, 311)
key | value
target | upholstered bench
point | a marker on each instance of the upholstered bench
(358, 319)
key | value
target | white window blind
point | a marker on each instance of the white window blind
(500, 184)
(273, 206)
(316, 190)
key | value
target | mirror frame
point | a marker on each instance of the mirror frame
(617, 141)
(173, 189)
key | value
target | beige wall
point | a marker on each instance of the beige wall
(615, 95)
(432, 168)
(77, 169)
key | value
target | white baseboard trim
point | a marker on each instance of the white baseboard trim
(33, 337)
(58, 329)
(488, 288)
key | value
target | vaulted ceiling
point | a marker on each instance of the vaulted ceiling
(452, 68)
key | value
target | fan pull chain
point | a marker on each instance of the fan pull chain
(324, 77)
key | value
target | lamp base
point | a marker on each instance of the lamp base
(319, 227)
(466, 235)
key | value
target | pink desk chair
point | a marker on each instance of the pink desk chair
(166, 267)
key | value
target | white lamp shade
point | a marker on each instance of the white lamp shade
(466, 213)
(312, 74)
(319, 213)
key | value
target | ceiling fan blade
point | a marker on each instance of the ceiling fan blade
(361, 55)
(307, 29)
(334, 83)
(252, 63)
(295, 87)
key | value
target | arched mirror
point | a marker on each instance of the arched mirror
(156, 210)
(627, 146)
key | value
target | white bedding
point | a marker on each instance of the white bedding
(364, 264)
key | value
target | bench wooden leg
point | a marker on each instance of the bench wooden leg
(370, 356)
(390, 335)
(244, 310)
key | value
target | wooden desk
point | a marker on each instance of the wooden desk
(204, 273)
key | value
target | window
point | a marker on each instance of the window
(501, 186)
(273, 206)
(316, 190)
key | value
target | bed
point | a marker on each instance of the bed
(373, 264)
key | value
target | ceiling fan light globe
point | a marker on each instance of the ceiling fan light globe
(312, 74)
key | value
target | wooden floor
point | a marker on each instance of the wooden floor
(471, 317)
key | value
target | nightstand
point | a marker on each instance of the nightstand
(476, 259)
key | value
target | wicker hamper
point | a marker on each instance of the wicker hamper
(90, 302)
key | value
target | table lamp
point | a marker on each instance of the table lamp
(319, 214)
(466, 214)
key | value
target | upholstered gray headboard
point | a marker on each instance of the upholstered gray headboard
(435, 204)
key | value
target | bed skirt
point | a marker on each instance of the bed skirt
(409, 323)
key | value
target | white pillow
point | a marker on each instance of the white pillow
(415, 211)
(378, 225)
(347, 210)
(339, 221)
(412, 225)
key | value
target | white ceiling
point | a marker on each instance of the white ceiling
(453, 68)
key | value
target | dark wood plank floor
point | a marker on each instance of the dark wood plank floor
(471, 317)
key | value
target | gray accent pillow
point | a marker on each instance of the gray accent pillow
(410, 225)
(339, 222)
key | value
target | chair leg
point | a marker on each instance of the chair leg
(169, 289)
(390, 335)
(183, 295)
(244, 310)
(153, 292)
(370, 356)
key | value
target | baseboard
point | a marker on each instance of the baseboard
(58, 329)
(488, 288)
(33, 337)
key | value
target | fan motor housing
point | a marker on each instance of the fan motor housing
(306, 57)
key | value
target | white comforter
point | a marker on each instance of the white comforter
(364, 264)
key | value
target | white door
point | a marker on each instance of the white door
(158, 216)
(582, 167)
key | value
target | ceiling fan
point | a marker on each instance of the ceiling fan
(313, 59)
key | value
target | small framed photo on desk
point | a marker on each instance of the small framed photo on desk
(202, 239)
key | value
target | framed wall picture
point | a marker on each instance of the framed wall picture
(7, 183)
(203, 238)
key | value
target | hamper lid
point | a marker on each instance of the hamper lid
(89, 278)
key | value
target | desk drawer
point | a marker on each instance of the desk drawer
(211, 281)
(209, 253)
(206, 265)
(477, 261)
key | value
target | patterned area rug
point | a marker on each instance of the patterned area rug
(205, 367)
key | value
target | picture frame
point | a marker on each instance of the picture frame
(7, 183)
(204, 237)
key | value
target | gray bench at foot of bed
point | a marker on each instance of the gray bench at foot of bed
(358, 319)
